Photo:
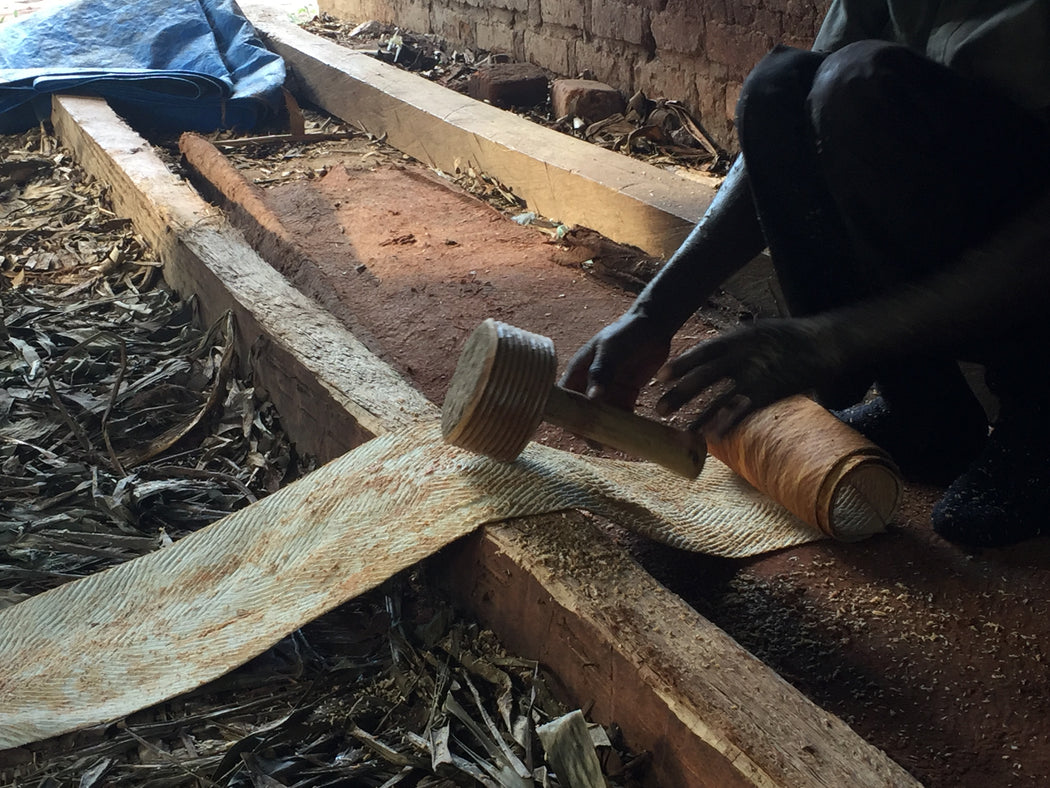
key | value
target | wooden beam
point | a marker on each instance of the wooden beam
(557, 590)
(551, 587)
(559, 176)
(332, 392)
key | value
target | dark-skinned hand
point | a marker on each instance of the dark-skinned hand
(758, 364)
(618, 361)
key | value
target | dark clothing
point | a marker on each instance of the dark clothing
(1002, 44)
(873, 165)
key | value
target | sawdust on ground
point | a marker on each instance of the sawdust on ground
(935, 655)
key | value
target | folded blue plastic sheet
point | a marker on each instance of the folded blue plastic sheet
(174, 65)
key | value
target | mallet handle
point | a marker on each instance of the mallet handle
(681, 451)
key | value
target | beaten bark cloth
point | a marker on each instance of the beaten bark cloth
(102, 647)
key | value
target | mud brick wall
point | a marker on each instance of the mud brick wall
(695, 51)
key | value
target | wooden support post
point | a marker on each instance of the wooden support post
(552, 587)
(557, 590)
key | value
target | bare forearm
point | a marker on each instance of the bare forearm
(722, 242)
(1001, 287)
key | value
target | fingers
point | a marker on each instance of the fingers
(695, 372)
(592, 373)
(606, 380)
(577, 374)
(723, 414)
(696, 356)
(691, 384)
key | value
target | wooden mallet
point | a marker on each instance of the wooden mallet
(503, 387)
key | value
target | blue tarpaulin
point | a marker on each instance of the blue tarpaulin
(176, 65)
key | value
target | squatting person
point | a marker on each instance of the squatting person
(898, 175)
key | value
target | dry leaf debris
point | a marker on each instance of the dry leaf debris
(389, 689)
(662, 132)
(122, 428)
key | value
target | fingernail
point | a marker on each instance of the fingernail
(664, 374)
(595, 392)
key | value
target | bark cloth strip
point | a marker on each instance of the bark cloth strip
(99, 648)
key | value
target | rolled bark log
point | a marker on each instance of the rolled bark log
(821, 470)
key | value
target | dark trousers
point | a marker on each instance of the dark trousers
(874, 166)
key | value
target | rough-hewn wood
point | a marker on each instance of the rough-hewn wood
(712, 715)
(559, 176)
(332, 392)
(552, 587)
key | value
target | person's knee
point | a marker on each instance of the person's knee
(860, 76)
(778, 84)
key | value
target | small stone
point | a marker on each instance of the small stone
(368, 29)
(585, 98)
(509, 85)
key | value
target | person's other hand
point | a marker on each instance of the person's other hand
(618, 361)
(758, 364)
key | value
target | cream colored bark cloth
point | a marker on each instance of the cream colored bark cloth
(129, 637)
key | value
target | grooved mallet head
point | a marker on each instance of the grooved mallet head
(503, 387)
(498, 392)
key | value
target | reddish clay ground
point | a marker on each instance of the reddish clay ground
(935, 655)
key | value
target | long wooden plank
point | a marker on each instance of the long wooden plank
(331, 391)
(559, 176)
(551, 587)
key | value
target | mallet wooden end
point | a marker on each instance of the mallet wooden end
(503, 387)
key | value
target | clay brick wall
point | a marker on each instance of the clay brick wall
(695, 51)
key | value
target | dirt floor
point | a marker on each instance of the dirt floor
(936, 655)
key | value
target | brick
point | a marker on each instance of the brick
(769, 22)
(669, 77)
(610, 61)
(651, 5)
(804, 9)
(413, 15)
(457, 26)
(499, 36)
(678, 28)
(802, 23)
(509, 85)
(551, 49)
(718, 72)
(367, 9)
(567, 13)
(586, 99)
(737, 47)
(619, 21)
(683, 79)
(729, 12)
(711, 106)
(732, 98)
(517, 6)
